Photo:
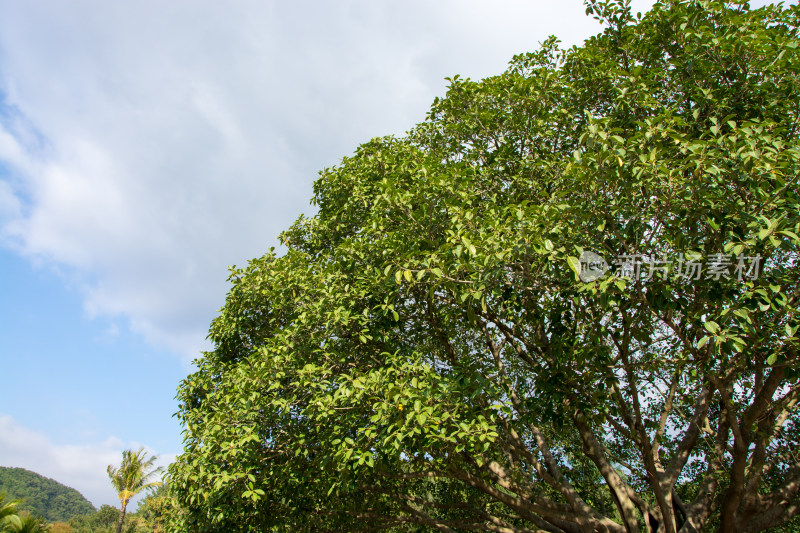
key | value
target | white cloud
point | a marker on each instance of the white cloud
(82, 467)
(155, 143)
(10, 207)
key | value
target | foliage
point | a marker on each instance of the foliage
(132, 477)
(29, 523)
(9, 515)
(157, 509)
(427, 355)
(105, 520)
(43, 496)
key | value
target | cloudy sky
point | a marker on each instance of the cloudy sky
(146, 146)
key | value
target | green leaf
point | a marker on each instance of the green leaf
(574, 264)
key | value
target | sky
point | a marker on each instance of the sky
(147, 146)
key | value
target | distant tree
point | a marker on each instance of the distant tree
(132, 477)
(60, 527)
(155, 509)
(106, 516)
(80, 524)
(104, 520)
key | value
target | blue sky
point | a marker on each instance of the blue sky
(66, 363)
(146, 146)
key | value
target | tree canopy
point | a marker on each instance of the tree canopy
(565, 302)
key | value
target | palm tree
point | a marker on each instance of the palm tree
(9, 517)
(29, 524)
(132, 477)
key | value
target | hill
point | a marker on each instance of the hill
(43, 496)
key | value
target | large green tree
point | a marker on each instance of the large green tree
(132, 476)
(437, 348)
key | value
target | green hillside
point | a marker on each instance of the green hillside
(43, 496)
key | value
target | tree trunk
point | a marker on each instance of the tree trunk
(122, 516)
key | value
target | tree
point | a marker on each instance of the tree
(9, 517)
(104, 520)
(29, 523)
(567, 301)
(106, 516)
(156, 508)
(132, 477)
